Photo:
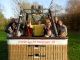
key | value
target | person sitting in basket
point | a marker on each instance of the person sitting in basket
(48, 29)
(29, 28)
(62, 29)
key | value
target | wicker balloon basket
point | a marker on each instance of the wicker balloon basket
(37, 49)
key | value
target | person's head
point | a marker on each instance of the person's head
(13, 24)
(60, 22)
(48, 22)
(12, 20)
(56, 19)
(39, 22)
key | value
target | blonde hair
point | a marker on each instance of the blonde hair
(47, 20)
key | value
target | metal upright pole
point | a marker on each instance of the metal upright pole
(53, 20)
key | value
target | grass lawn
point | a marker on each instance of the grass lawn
(3, 46)
(2, 36)
(73, 46)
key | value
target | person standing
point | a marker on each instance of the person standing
(29, 28)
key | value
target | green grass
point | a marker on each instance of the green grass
(73, 46)
(3, 46)
(3, 36)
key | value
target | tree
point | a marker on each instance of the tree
(73, 13)
(3, 21)
(73, 6)
(56, 8)
(19, 5)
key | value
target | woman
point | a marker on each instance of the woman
(48, 29)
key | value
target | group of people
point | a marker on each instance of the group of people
(27, 29)
(11, 28)
(60, 28)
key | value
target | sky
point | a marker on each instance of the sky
(8, 11)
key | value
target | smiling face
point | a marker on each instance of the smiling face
(48, 23)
